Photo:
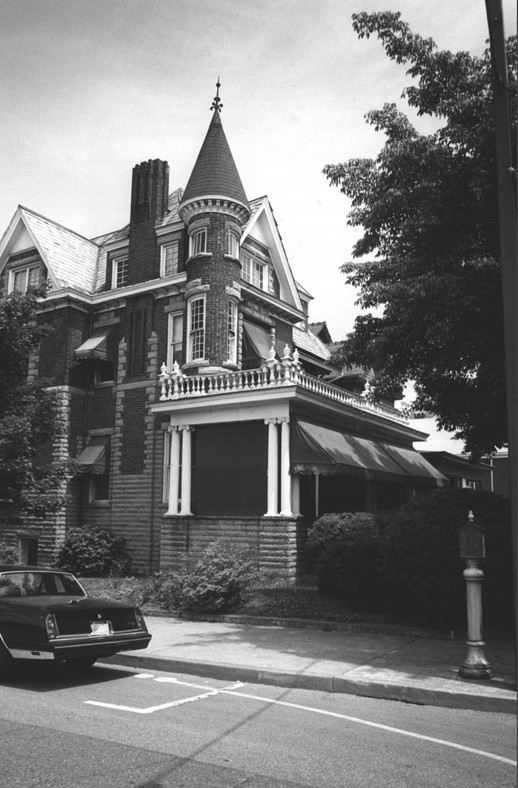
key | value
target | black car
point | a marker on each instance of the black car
(45, 614)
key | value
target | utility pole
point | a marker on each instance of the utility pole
(506, 182)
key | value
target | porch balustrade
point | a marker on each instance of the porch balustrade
(288, 371)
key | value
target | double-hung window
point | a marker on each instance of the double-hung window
(22, 279)
(196, 330)
(233, 244)
(253, 271)
(232, 331)
(198, 242)
(169, 259)
(175, 339)
(119, 271)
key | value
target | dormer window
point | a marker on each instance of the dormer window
(253, 272)
(233, 244)
(119, 271)
(169, 257)
(23, 279)
(198, 242)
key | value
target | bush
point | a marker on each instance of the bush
(331, 527)
(218, 581)
(420, 562)
(8, 554)
(346, 564)
(90, 551)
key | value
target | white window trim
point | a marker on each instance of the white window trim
(192, 241)
(189, 355)
(17, 270)
(233, 244)
(163, 254)
(115, 261)
(232, 356)
(257, 263)
(166, 473)
(170, 324)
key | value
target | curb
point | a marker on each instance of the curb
(335, 684)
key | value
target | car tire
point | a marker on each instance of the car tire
(80, 663)
(6, 661)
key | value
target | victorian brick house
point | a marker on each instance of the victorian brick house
(197, 402)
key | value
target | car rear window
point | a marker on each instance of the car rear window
(38, 584)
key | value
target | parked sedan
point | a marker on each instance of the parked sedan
(45, 614)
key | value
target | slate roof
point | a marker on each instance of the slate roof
(215, 171)
(71, 259)
(307, 341)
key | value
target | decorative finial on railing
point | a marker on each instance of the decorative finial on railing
(217, 106)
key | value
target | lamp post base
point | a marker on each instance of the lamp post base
(475, 666)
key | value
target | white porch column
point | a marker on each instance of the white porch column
(285, 469)
(174, 471)
(186, 471)
(295, 494)
(273, 469)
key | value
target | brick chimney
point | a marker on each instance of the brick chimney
(149, 195)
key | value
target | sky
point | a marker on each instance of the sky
(92, 87)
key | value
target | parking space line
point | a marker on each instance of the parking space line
(151, 709)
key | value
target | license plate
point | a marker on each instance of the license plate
(100, 627)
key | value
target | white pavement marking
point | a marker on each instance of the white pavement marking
(374, 725)
(151, 709)
(232, 690)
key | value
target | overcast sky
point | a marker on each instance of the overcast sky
(92, 87)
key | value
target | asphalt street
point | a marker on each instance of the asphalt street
(121, 727)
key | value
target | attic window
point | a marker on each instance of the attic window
(253, 272)
(169, 259)
(22, 279)
(119, 271)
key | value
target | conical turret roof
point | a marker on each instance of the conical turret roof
(215, 173)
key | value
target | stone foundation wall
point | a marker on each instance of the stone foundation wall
(275, 541)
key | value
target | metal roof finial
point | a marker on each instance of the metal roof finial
(216, 104)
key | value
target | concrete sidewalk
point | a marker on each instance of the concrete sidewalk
(392, 664)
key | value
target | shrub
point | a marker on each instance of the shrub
(90, 551)
(329, 527)
(8, 554)
(218, 581)
(419, 554)
(346, 565)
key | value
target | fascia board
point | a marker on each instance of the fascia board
(19, 217)
(116, 295)
(279, 256)
(241, 406)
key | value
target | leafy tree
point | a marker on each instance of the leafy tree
(30, 482)
(428, 208)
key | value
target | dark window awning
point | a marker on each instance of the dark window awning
(96, 346)
(256, 341)
(320, 450)
(94, 457)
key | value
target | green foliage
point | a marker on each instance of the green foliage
(8, 554)
(344, 548)
(428, 208)
(218, 581)
(30, 481)
(420, 564)
(90, 551)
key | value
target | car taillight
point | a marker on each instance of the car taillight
(52, 627)
(141, 624)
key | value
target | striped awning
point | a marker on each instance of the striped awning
(96, 346)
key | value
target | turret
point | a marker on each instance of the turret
(214, 207)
